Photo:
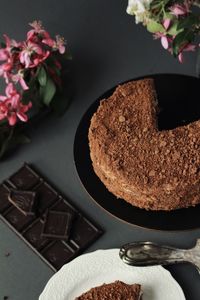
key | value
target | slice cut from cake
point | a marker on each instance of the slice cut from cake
(117, 290)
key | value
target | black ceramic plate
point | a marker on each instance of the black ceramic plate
(179, 102)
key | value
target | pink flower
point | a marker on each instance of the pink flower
(186, 48)
(165, 40)
(32, 54)
(179, 10)
(11, 106)
(58, 44)
(49, 42)
(6, 56)
(6, 52)
(3, 110)
(166, 23)
(28, 49)
(6, 67)
(40, 58)
(19, 77)
(9, 57)
(37, 31)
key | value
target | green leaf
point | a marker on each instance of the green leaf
(188, 22)
(154, 27)
(166, 2)
(174, 29)
(42, 76)
(168, 15)
(47, 92)
(182, 39)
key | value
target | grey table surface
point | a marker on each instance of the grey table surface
(107, 48)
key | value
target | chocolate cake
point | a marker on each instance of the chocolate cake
(117, 290)
(151, 169)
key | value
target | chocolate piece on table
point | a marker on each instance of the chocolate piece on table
(57, 225)
(25, 201)
(46, 196)
(59, 253)
(33, 234)
(18, 220)
(67, 231)
(25, 178)
(63, 205)
(83, 232)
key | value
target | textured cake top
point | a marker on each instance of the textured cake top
(113, 291)
(125, 135)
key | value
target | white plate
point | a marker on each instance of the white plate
(105, 266)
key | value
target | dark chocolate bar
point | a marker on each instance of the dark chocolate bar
(51, 226)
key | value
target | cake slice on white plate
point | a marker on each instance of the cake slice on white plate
(117, 290)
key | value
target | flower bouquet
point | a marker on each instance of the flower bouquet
(175, 22)
(32, 71)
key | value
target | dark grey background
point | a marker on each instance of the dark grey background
(107, 48)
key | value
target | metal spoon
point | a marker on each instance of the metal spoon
(150, 254)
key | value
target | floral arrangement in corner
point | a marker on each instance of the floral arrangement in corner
(175, 22)
(32, 71)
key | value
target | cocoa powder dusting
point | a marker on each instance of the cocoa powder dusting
(117, 290)
(124, 139)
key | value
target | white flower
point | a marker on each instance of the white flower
(139, 8)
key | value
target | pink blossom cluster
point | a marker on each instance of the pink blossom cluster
(175, 22)
(20, 60)
(178, 10)
(11, 106)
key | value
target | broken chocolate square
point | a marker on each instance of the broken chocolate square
(33, 234)
(25, 178)
(17, 219)
(57, 225)
(63, 205)
(25, 201)
(46, 196)
(83, 232)
(59, 253)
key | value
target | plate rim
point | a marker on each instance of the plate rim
(98, 254)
